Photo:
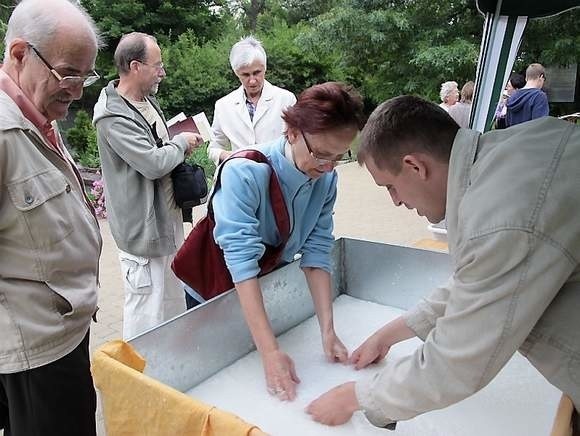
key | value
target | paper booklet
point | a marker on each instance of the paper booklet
(196, 124)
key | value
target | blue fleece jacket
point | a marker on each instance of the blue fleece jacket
(245, 220)
(526, 104)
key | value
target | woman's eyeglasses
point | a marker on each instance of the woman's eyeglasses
(321, 160)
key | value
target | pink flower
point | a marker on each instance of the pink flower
(98, 193)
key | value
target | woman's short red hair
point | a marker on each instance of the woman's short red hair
(328, 106)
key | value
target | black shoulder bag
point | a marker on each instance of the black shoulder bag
(189, 182)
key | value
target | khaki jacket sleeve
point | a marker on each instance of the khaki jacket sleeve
(421, 319)
(502, 284)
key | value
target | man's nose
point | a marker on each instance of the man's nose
(396, 200)
(76, 92)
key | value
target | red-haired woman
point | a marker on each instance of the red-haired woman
(320, 129)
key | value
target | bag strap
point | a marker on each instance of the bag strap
(276, 196)
(153, 128)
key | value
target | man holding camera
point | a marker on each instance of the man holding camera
(137, 158)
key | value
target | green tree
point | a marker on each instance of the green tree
(82, 139)
(391, 47)
(304, 10)
(552, 41)
(291, 66)
(388, 48)
(5, 11)
(196, 75)
(162, 18)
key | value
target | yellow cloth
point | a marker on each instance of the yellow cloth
(135, 404)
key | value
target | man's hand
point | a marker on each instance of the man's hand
(281, 377)
(334, 350)
(336, 406)
(376, 347)
(194, 140)
(373, 350)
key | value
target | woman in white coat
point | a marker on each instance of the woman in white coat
(251, 114)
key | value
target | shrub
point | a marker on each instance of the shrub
(200, 157)
(82, 137)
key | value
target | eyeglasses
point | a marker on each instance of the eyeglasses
(67, 82)
(320, 160)
(158, 67)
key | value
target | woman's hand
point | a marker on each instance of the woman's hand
(281, 377)
(334, 350)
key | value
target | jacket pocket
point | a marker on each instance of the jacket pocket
(136, 273)
(42, 201)
(10, 339)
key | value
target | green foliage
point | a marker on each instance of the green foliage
(196, 75)
(164, 19)
(5, 11)
(200, 157)
(553, 41)
(2, 34)
(387, 48)
(82, 137)
(289, 65)
(304, 10)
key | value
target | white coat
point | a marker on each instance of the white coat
(232, 127)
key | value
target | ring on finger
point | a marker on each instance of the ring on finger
(275, 391)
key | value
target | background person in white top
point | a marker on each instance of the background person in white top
(449, 94)
(251, 114)
(137, 158)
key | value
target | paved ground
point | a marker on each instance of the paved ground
(362, 211)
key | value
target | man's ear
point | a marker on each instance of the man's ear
(416, 164)
(134, 66)
(19, 50)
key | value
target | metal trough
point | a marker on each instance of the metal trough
(190, 348)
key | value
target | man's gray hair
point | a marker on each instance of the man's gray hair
(132, 47)
(447, 88)
(37, 21)
(245, 52)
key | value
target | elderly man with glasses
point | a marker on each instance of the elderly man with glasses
(137, 157)
(49, 235)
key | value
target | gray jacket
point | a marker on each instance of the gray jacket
(513, 208)
(132, 164)
(49, 249)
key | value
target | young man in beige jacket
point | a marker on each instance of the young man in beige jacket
(511, 201)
